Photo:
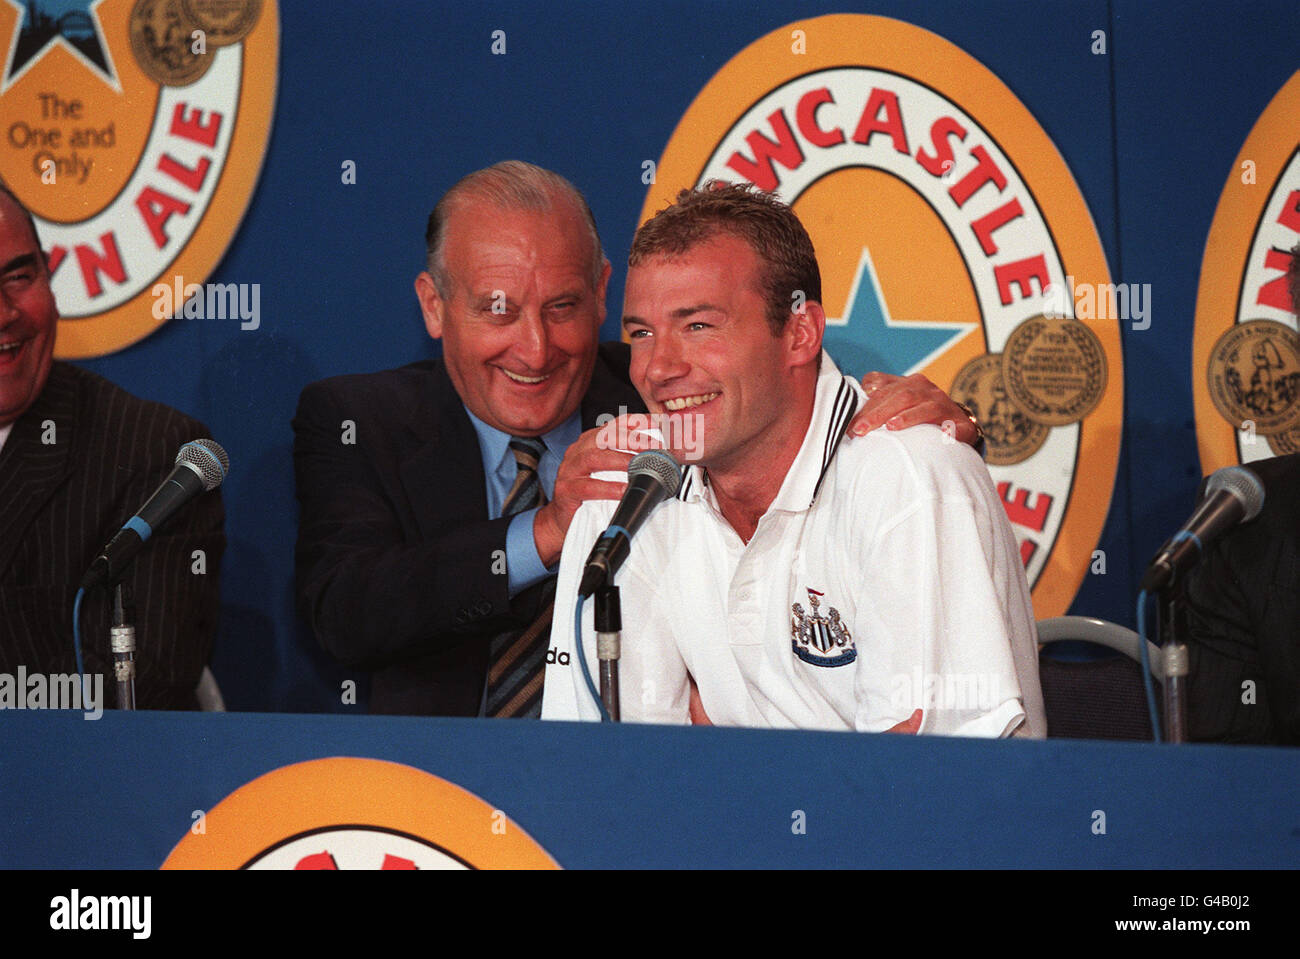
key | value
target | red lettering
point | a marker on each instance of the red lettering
(317, 860)
(156, 208)
(192, 178)
(1020, 273)
(985, 226)
(193, 127)
(892, 124)
(1027, 550)
(785, 151)
(986, 171)
(55, 257)
(805, 117)
(325, 860)
(941, 162)
(92, 263)
(1290, 215)
(1020, 512)
(1275, 292)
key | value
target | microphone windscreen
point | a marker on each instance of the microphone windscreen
(1241, 483)
(208, 458)
(659, 464)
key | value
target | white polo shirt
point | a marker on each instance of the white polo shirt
(883, 578)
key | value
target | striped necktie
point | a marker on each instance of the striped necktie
(518, 658)
(527, 490)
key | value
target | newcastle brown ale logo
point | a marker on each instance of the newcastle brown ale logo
(947, 227)
(134, 130)
(1246, 351)
(345, 813)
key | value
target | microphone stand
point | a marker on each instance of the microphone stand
(121, 640)
(1174, 658)
(609, 624)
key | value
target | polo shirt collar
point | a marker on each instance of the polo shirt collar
(836, 399)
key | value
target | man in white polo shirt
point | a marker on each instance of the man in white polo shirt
(796, 581)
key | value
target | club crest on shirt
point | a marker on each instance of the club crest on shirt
(822, 640)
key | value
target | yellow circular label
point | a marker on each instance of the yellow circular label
(135, 139)
(343, 813)
(1245, 351)
(943, 218)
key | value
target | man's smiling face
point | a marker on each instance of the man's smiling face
(520, 319)
(702, 347)
(28, 316)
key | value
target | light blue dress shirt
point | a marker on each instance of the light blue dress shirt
(524, 567)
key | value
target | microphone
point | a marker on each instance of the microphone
(652, 477)
(201, 465)
(1233, 495)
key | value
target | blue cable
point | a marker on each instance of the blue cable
(1146, 665)
(582, 661)
(76, 630)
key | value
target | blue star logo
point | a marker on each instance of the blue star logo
(867, 338)
(43, 25)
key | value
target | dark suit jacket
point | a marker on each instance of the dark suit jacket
(398, 567)
(1243, 624)
(77, 465)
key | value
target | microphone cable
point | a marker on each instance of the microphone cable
(582, 661)
(76, 632)
(1146, 666)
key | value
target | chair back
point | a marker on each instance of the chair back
(1102, 695)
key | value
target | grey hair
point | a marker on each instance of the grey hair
(510, 185)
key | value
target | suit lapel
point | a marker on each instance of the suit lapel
(30, 469)
(443, 473)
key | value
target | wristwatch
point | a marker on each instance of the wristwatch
(980, 445)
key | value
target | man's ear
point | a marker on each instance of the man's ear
(431, 304)
(804, 333)
(603, 286)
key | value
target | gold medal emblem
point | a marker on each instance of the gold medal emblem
(162, 37)
(224, 21)
(1010, 434)
(1054, 369)
(1254, 376)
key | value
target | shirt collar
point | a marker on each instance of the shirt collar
(836, 399)
(495, 445)
(4, 435)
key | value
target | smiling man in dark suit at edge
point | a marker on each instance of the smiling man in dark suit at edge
(78, 455)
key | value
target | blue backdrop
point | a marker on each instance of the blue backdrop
(413, 95)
